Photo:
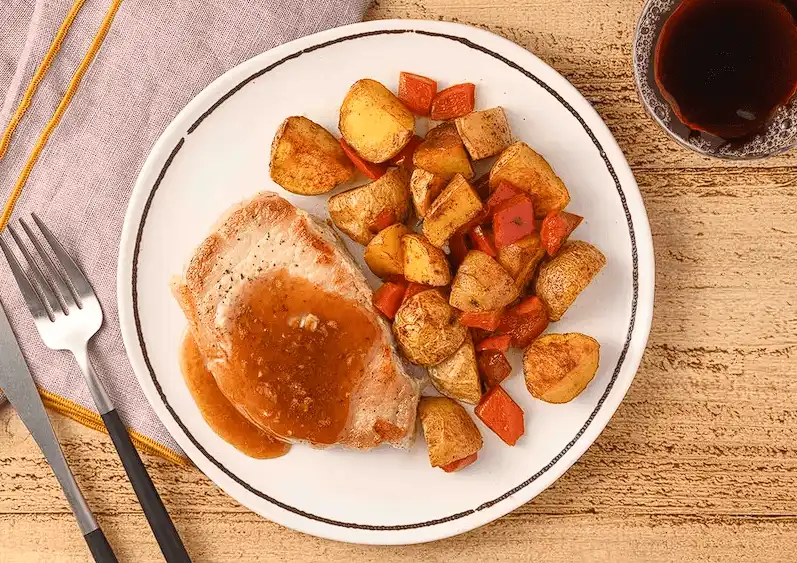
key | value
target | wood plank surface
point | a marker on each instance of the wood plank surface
(698, 465)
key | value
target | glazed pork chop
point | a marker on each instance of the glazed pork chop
(283, 317)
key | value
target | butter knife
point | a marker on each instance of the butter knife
(17, 383)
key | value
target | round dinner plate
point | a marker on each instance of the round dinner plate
(215, 154)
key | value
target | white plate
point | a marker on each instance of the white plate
(215, 153)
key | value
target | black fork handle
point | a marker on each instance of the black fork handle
(162, 526)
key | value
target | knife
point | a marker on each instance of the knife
(17, 383)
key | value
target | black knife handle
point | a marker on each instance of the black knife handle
(99, 547)
(162, 526)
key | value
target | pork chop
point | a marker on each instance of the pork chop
(283, 317)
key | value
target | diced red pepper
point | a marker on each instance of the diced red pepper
(369, 169)
(503, 193)
(388, 298)
(415, 288)
(383, 220)
(493, 367)
(556, 227)
(502, 415)
(479, 334)
(458, 247)
(524, 322)
(404, 158)
(487, 320)
(513, 220)
(460, 463)
(481, 241)
(416, 92)
(455, 101)
(500, 343)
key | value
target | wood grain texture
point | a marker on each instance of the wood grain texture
(698, 465)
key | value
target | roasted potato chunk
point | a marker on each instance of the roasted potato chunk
(481, 284)
(448, 429)
(453, 208)
(354, 211)
(525, 169)
(458, 376)
(426, 328)
(384, 254)
(425, 187)
(560, 366)
(563, 278)
(443, 153)
(374, 122)
(521, 258)
(306, 159)
(423, 262)
(484, 133)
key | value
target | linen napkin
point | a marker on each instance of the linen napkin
(155, 57)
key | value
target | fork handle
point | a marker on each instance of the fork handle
(162, 526)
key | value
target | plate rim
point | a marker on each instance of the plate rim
(628, 362)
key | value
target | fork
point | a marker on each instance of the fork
(67, 314)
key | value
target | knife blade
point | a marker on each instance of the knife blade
(20, 389)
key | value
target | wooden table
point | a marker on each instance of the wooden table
(700, 461)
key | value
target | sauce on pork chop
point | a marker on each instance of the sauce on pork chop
(233, 427)
(296, 356)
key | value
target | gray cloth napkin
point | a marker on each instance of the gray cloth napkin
(156, 57)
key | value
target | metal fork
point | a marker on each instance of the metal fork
(67, 314)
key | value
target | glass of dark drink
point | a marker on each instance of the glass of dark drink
(720, 76)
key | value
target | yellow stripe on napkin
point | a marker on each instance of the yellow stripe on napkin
(59, 112)
(24, 104)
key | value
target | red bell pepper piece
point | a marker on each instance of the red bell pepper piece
(458, 247)
(452, 102)
(479, 334)
(369, 169)
(556, 227)
(383, 220)
(502, 415)
(500, 343)
(404, 158)
(460, 463)
(388, 298)
(493, 367)
(416, 92)
(524, 322)
(513, 220)
(481, 241)
(503, 193)
(487, 320)
(415, 288)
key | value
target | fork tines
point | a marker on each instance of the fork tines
(50, 291)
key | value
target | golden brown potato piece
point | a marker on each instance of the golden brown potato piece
(374, 122)
(425, 187)
(443, 153)
(559, 366)
(458, 376)
(354, 211)
(484, 133)
(383, 254)
(426, 328)
(423, 262)
(563, 278)
(521, 258)
(453, 208)
(522, 167)
(448, 429)
(481, 284)
(306, 159)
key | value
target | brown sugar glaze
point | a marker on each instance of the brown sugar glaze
(726, 66)
(296, 354)
(219, 413)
